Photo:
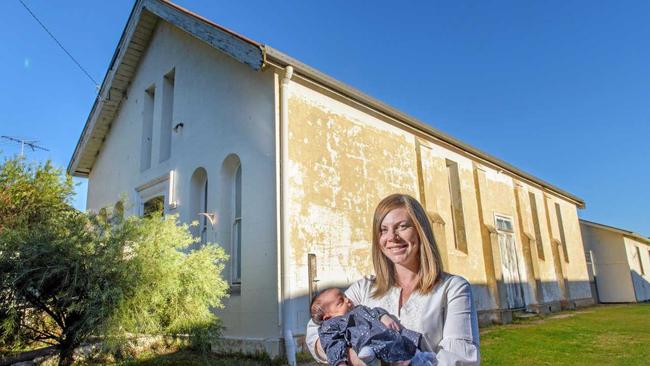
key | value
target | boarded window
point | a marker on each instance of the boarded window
(166, 117)
(147, 128)
(457, 217)
(560, 226)
(538, 231)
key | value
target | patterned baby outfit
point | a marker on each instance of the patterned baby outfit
(361, 328)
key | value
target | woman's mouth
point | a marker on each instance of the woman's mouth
(397, 249)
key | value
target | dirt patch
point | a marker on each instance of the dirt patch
(562, 316)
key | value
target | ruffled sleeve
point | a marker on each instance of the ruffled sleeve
(460, 339)
(311, 336)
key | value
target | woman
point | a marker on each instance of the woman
(411, 285)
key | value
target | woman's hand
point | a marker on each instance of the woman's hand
(354, 359)
(389, 322)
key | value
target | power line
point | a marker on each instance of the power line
(59, 43)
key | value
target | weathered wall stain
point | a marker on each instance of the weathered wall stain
(342, 161)
(340, 167)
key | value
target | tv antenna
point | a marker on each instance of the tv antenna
(30, 143)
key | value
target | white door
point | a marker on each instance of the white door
(509, 264)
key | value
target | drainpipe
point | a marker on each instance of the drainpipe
(287, 314)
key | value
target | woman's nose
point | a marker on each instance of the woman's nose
(392, 235)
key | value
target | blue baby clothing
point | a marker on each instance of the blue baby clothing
(361, 328)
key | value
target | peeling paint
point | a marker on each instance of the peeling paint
(342, 162)
(336, 180)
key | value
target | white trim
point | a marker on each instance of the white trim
(156, 187)
(505, 217)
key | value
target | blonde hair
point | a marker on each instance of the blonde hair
(430, 260)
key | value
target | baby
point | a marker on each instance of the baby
(372, 333)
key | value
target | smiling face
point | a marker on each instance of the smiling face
(334, 303)
(399, 240)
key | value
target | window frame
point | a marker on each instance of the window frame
(236, 227)
(155, 187)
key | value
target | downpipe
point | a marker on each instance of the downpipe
(287, 314)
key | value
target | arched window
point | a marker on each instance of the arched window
(231, 214)
(199, 203)
(118, 212)
(236, 227)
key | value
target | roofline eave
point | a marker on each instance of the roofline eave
(274, 56)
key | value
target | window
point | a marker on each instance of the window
(458, 220)
(236, 229)
(199, 203)
(504, 224)
(204, 226)
(155, 205)
(147, 128)
(638, 256)
(118, 213)
(153, 195)
(558, 214)
(118, 210)
(231, 225)
(538, 231)
(167, 116)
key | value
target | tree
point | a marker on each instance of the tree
(66, 275)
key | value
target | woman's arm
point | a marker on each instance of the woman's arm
(313, 343)
(460, 338)
(356, 293)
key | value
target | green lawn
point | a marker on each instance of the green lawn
(601, 335)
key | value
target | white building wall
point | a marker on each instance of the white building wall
(638, 257)
(225, 107)
(612, 268)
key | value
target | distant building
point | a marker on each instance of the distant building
(291, 163)
(619, 263)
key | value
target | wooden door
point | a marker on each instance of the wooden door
(510, 264)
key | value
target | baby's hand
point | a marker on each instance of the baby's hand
(389, 322)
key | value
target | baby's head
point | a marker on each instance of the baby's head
(328, 304)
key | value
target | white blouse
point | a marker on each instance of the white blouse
(446, 317)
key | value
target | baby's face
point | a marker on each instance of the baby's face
(335, 304)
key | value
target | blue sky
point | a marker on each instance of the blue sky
(560, 89)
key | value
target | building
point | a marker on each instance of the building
(619, 263)
(292, 163)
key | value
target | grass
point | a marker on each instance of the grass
(601, 335)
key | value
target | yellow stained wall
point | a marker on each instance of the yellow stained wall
(339, 168)
(342, 160)
(436, 198)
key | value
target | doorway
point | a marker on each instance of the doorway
(509, 263)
